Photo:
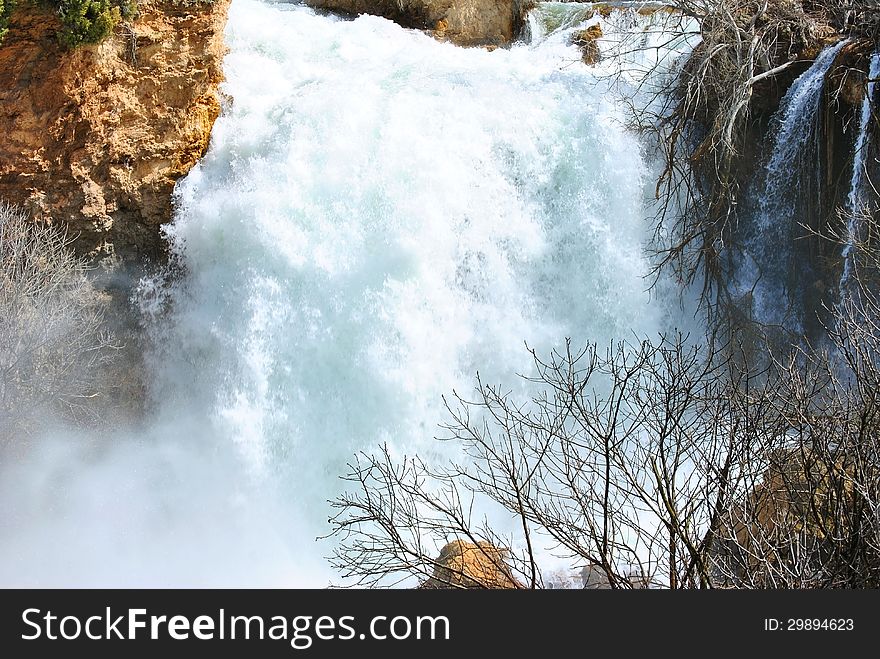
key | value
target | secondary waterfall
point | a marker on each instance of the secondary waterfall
(379, 217)
(856, 194)
(768, 269)
(550, 17)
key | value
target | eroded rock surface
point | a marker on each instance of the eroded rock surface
(97, 137)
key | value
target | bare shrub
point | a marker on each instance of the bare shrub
(656, 464)
(624, 459)
(646, 465)
(52, 341)
(704, 115)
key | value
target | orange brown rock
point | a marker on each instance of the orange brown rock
(97, 137)
(472, 565)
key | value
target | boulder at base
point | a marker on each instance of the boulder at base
(463, 22)
(468, 565)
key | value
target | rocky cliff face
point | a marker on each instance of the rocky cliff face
(97, 137)
(463, 22)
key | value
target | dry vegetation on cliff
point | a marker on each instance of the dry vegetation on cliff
(748, 54)
(53, 343)
(5, 11)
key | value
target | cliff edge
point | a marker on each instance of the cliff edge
(96, 137)
(462, 22)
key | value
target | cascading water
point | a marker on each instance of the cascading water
(768, 269)
(550, 17)
(379, 216)
(857, 192)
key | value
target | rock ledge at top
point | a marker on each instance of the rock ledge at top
(462, 22)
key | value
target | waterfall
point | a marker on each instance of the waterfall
(768, 269)
(857, 192)
(553, 17)
(378, 217)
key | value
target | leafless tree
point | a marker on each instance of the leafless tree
(52, 340)
(700, 112)
(645, 464)
(659, 464)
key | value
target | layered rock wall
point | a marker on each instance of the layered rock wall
(96, 137)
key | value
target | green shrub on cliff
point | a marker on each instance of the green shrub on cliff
(89, 21)
(82, 21)
(6, 7)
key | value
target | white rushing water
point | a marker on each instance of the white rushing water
(767, 267)
(857, 192)
(379, 216)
